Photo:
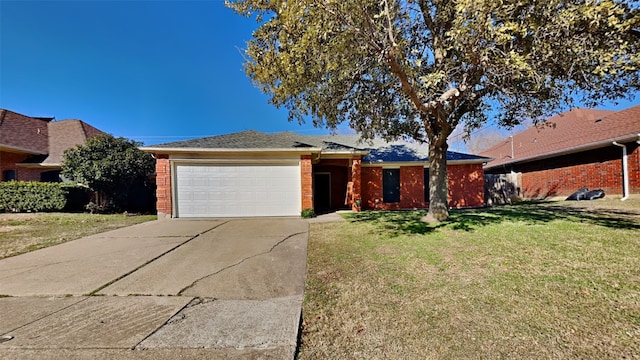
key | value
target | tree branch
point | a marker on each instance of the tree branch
(389, 24)
(404, 81)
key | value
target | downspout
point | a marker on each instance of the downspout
(625, 171)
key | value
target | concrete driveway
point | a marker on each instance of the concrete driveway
(170, 289)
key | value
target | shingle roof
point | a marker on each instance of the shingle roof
(66, 134)
(572, 131)
(63, 135)
(378, 150)
(240, 140)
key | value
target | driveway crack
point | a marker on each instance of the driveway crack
(237, 263)
(96, 291)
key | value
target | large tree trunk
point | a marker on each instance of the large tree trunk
(438, 182)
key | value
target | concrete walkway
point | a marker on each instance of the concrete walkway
(179, 289)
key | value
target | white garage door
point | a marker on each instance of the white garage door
(205, 190)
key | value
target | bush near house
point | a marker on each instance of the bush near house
(116, 169)
(21, 196)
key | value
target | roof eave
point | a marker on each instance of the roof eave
(10, 148)
(169, 151)
(338, 154)
(568, 151)
(39, 165)
(420, 162)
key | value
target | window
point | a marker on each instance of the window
(9, 175)
(426, 184)
(50, 176)
(391, 185)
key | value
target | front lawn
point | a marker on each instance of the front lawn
(530, 281)
(20, 233)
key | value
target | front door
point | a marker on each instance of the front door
(322, 192)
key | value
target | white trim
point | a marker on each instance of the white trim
(15, 149)
(397, 164)
(342, 154)
(159, 150)
(235, 161)
(39, 165)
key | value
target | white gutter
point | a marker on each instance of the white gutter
(625, 170)
(161, 150)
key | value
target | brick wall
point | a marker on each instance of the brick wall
(306, 180)
(356, 178)
(412, 187)
(163, 186)
(466, 187)
(371, 178)
(634, 167)
(8, 161)
(595, 169)
(29, 174)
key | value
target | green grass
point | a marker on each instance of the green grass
(544, 281)
(21, 233)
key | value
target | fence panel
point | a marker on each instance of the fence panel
(501, 188)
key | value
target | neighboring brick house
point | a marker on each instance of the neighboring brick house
(31, 148)
(575, 149)
(256, 174)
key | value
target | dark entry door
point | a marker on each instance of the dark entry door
(322, 192)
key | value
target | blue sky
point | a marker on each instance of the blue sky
(154, 71)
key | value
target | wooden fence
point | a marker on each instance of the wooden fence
(501, 188)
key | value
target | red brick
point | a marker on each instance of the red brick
(163, 186)
(466, 187)
(595, 169)
(306, 179)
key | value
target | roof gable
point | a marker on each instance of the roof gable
(66, 134)
(568, 132)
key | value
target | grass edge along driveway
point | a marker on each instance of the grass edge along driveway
(543, 281)
(24, 232)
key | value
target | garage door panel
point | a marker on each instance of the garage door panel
(206, 190)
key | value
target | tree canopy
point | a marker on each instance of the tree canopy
(115, 167)
(419, 68)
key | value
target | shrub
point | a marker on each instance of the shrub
(77, 197)
(115, 168)
(307, 214)
(18, 196)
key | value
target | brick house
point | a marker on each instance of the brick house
(579, 148)
(255, 174)
(31, 148)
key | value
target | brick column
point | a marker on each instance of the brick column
(163, 186)
(306, 181)
(356, 178)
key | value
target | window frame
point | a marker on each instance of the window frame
(391, 185)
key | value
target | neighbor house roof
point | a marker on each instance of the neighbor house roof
(373, 151)
(23, 134)
(66, 134)
(570, 132)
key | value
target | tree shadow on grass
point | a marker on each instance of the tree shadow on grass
(396, 222)
(408, 222)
